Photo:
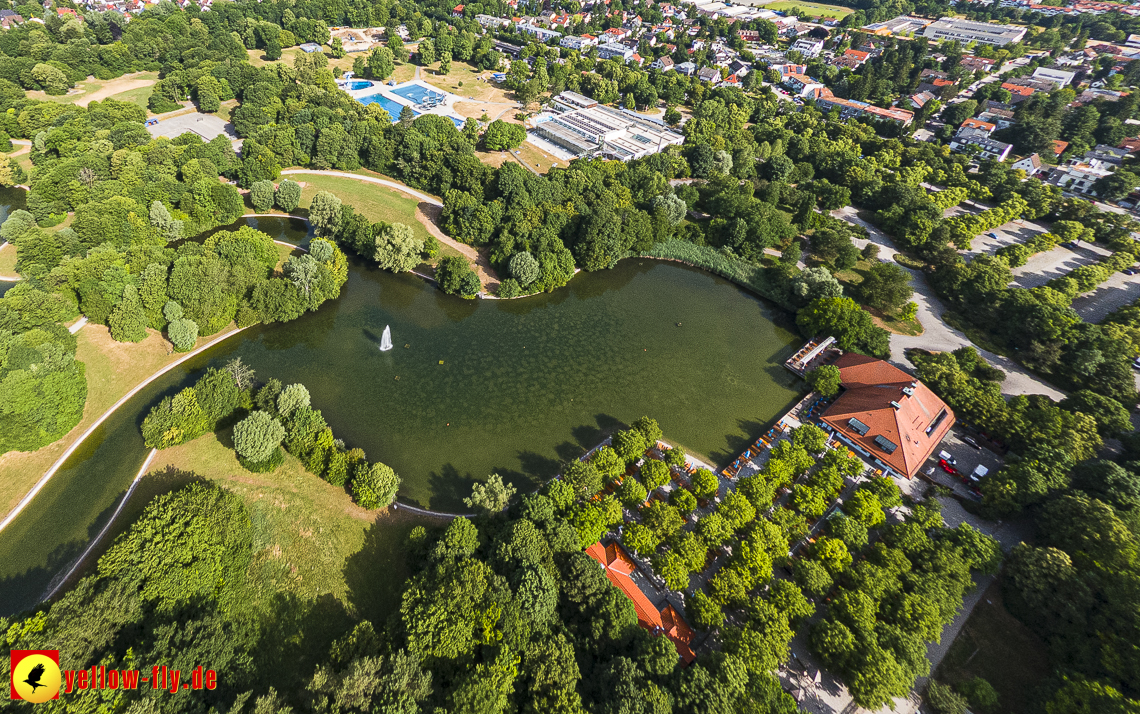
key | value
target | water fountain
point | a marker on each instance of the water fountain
(386, 339)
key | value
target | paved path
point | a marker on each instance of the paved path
(370, 179)
(78, 325)
(429, 217)
(937, 335)
(91, 429)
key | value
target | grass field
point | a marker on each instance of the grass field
(376, 203)
(112, 369)
(890, 321)
(128, 88)
(8, 260)
(998, 647)
(319, 561)
(813, 9)
(138, 96)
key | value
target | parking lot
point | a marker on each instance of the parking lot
(1043, 267)
(206, 126)
(967, 457)
(1116, 292)
(1017, 231)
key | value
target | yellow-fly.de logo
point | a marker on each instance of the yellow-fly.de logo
(35, 675)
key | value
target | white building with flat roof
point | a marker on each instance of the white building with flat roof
(1060, 76)
(948, 28)
(610, 133)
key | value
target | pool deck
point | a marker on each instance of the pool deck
(446, 108)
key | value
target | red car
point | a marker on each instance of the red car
(947, 467)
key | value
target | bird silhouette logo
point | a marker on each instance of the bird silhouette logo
(35, 675)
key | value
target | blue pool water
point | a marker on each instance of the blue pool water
(415, 93)
(357, 84)
(389, 106)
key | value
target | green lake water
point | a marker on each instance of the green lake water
(473, 387)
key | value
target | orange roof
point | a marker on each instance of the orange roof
(1018, 89)
(667, 621)
(889, 414)
(857, 54)
(978, 124)
(1059, 146)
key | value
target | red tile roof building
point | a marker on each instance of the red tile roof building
(666, 621)
(886, 414)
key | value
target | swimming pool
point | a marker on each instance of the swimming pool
(393, 108)
(418, 94)
(357, 84)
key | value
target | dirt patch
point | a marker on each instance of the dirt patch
(123, 84)
(428, 215)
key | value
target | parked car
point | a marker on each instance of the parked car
(1136, 363)
(1130, 271)
(970, 440)
(947, 467)
(945, 456)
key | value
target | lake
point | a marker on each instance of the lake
(472, 387)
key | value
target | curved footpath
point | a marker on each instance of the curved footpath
(91, 429)
(479, 262)
(58, 581)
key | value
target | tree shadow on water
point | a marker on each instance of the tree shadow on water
(590, 435)
(448, 488)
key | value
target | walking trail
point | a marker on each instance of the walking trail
(428, 213)
(27, 499)
(937, 335)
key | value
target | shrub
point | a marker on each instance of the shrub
(183, 334)
(524, 268)
(292, 398)
(257, 437)
(374, 485)
(261, 195)
(509, 288)
(288, 195)
(945, 700)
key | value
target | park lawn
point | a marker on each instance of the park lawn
(472, 88)
(538, 159)
(374, 202)
(80, 90)
(995, 645)
(138, 96)
(8, 260)
(403, 72)
(812, 8)
(112, 370)
(315, 553)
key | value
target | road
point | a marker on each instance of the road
(937, 335)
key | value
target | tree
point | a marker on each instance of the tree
(631, 493)
(491, 496)
(703, 612)
(258, 437)
(683, 499)
(608, 463)
(705, 484)
(375, 486)
(161, 219)
(629, 444)
(654, 474)
(51, 79)
(864, 507)
(945, 700)
(843, 319)
(445, 63)
(810, 437)
(814, 283)
(337, 48)
(813, 577)
(501, 136)
(671, 206)
(381, 62)
(584, 477)
(832, 554)
(1116, 185)
(649, 429)
(524, 268)
(825, 380)
(426, 52)
(261, 195)
(183, 333)
(324, 213)
(292, 398)
(397, 248)
(128, 320)
(288, 195)
(454, 274)
(886, 286)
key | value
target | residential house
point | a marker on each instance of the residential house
(975, 64)
(616, 34)
(1077, 178)
(457, 11)
(739, 68)
(572, 42)
(1031, 164)
(749, 35)
(709, 74)
(491, 22)
(851, 59)
(973, 139)
(1020, 92)
(9, 19)
(610, 50)
(664, 64)
(543, 34)
(1059, 147)
(1001, 118)
(1104, 155)
(1058, 76)
(786, 70)
(731, 81)
(801, 85)
(980, 125)
(886, 415)
(687, 68)
(807, 46)
(920, 100)
(1131, 144)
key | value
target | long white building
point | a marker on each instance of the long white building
(606, 132)
(965, 31)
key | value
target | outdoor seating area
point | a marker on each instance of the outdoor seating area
(815, 353)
